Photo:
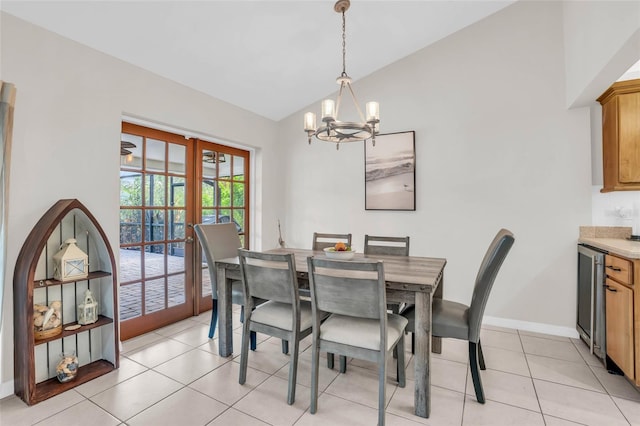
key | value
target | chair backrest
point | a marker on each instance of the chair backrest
(350, 288)
(322, 241)
(496, 253)
(269, 276)
(394, 246)
(218, 241)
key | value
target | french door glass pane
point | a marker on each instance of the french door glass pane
(225, 168)
(154, 190)
(176, 191)
(175, 261)
(209, 164)
(176, 224)
(130, 226)
(238, 217)
(175, 289)
(209, 191)
(154, 295)
(177, 159)
(130, 264)
(155, 155)
(238, 194)
(130, 189)
(131, 156)
(130, 301)
(154, 227)
(225, 194)
(154, 260)
(238, 168)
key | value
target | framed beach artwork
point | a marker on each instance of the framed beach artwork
(390, 177)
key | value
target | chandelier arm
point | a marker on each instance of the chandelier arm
(355, 101)
(339, 100)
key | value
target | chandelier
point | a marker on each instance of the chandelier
(332, 129)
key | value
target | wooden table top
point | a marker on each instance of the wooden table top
(410, 273)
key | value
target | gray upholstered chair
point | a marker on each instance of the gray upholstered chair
(354, 294)
(388, 246)
(322, 241)
(272, 277)
(220, 241)
(459, 321)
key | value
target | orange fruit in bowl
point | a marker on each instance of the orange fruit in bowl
(340, 246)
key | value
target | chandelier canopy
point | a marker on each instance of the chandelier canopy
(332, 129)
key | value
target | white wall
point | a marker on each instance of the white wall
(496, 147)
(602, 40)
(66, 138)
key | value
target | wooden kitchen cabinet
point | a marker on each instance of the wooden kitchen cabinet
(619, 306)
(622, 304)
(621, 136)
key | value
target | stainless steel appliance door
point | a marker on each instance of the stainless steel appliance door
(591, 305)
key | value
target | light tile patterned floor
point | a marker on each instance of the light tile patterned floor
(174, 377)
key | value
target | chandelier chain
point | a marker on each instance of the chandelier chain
(344, 46)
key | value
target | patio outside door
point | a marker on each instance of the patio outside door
(156, 242)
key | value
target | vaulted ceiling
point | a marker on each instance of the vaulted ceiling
(269, 57)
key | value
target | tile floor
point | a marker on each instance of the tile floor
(173, 376)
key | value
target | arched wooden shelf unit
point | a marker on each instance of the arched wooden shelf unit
(97, 344)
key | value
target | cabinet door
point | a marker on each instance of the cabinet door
(619, 301)
(629, 137)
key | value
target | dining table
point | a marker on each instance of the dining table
(409, 279)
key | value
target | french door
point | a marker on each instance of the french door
(168, 183)
(223, 196)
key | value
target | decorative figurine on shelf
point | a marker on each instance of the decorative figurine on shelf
(88, 311)
(70, 263)
(47, 320)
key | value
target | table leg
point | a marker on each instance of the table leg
(225, 333)
(423, 354)
(436, 342)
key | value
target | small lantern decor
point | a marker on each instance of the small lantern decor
(88, 311)
(70, 263)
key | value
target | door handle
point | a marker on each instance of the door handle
(611, 289)
(189, 225)
(189, 240)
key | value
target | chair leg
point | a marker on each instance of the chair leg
(343, 364)
(315, 370)
(285, 346)
(293, 369)
(481, 357)
(329, 361)
(400, 373)
(244, 353)
(413, 343)
(254, 340)
(214, 318)
(242, 313)
(475, 373)
(382, 386)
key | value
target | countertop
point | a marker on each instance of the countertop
(620, 246)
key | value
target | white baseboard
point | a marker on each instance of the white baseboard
(6, 389)
(536, 327)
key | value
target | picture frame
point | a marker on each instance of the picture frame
(390, 177)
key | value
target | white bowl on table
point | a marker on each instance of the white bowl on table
(331, 253)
